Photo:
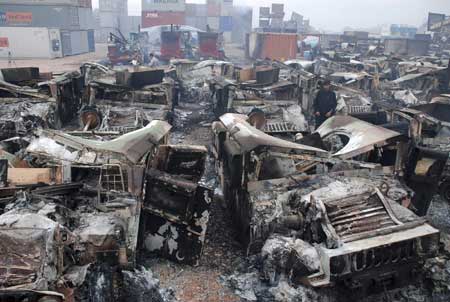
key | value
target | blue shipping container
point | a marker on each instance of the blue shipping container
(226, 23)
(91, 40)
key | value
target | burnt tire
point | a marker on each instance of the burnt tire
(444, 190)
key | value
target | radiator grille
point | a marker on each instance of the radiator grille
(358, 214)
(280, 127)
(359, 109)
(392, 254)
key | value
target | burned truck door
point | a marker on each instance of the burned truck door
(176, 203)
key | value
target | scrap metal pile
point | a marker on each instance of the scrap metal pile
(341, 205)
(94, 177)
(89, 182)
(167, 42)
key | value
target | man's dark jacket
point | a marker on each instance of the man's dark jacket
(325, 102)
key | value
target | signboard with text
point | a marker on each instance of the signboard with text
(19, 18)
(16, 18)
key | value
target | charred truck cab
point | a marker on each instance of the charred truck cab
(427, 169)
(322, 218)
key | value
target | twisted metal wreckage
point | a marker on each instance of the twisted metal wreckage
(90, 181)
(76, 200)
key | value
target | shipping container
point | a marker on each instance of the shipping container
(208, 45)
(30, 42)
(297, 17)
(201, 10)
(361, 35)
(274, 46)
(91, 40)
(277, 8)
(164, 5)
(227, 37)
(170, 45)
(74, 42)
(200, 22)
(191, 21)
(213, 10)
(102, 34)
(226, 24)
(214, 23)
(86, 18)
(264, 23)
(264, 12)
(226, 9)
(329, 40)
(63, 17)
(242, 23)
(80, 42)
(120, 7)
(109, 19)
(434, 19)
(276, 22)
(409, 47)
(154, 18)
(191, 10)
(129, 24)
(78, 3)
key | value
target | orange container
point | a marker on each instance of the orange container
(274, 46)
(280, 47)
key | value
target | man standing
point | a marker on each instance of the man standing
(325, 103)
(154, 62)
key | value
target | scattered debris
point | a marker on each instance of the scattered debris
(106, 170)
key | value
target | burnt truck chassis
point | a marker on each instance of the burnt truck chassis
(385, 251)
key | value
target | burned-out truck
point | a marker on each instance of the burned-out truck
(320, 217)
(427, 126)
(53, 235)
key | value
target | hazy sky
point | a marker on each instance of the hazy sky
(336, 14)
